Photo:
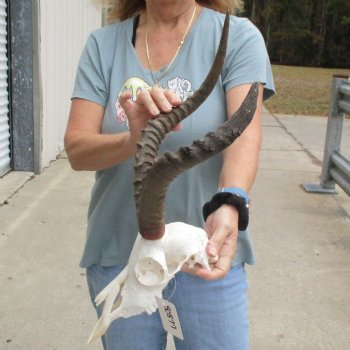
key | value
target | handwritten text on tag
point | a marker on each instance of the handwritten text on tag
(169, 318)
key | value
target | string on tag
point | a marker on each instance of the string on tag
(173, 292)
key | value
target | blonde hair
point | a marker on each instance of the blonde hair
(123, 9)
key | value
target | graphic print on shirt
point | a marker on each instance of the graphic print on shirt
(135, 85)
(182, 87)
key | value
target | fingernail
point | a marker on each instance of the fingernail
(212, 252)
(167, 107)
(155, 110)
(213, 260)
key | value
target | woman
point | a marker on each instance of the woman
(153, 58)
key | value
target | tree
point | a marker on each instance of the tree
(304, 32)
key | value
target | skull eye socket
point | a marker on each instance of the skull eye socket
(149, 272)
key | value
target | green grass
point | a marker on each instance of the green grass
(302, 90)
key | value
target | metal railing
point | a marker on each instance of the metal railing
(335, 167)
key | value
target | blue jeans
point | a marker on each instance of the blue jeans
(213, 315)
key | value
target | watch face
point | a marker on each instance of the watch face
(238, 192)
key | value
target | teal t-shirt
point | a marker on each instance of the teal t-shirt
(108, 66)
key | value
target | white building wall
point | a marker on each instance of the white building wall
(64, 27)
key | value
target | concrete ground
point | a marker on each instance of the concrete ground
(299, 290)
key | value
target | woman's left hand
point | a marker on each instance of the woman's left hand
(222, 229)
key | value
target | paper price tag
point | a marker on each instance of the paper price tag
(169, 318)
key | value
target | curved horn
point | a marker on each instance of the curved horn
(149, 198)
(170, 165)
(157, 129)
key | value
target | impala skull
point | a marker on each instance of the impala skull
(160, 250)
(151, 266)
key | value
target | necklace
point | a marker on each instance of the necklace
(176, 53)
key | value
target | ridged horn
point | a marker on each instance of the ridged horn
(153, 135)
(171, 164)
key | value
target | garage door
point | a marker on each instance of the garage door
(4, 112)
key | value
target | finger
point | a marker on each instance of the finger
(175, 100)
(194, 271)
(217, 270)
(224, 262)
(201, 272)
(213, 260)
(216, 241)
(125, 100)
(145, 99)
(160, 99)
(191, 270)
(172, 97)
(178, 127)
(214, 274)
(221, 267)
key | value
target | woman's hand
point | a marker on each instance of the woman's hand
(148, 105)
(222, 229)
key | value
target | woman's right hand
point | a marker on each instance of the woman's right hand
(148, 105)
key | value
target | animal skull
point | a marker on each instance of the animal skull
(152, 265)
